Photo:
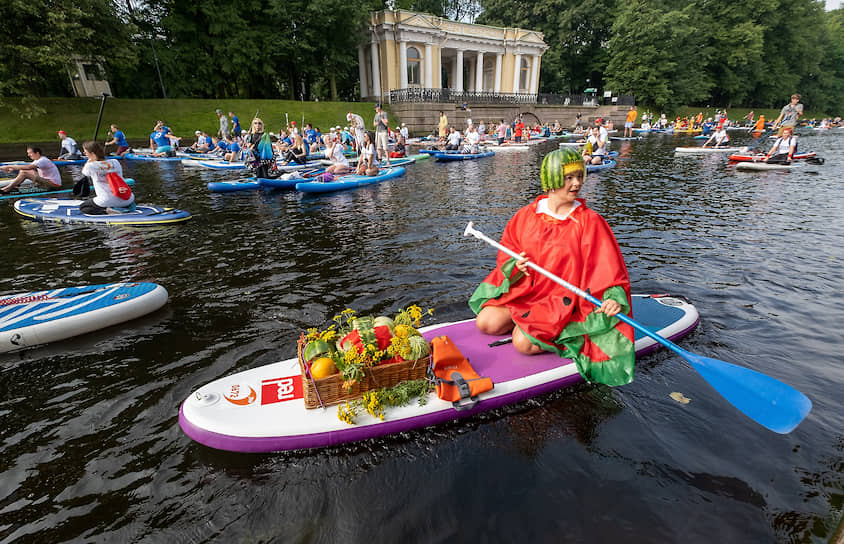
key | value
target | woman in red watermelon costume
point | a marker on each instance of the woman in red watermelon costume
(561, 234)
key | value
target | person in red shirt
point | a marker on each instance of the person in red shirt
(518, 130)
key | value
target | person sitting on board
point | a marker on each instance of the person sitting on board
(561, 234)
(69, 150)
(298, 152)
(118, 139)
(96, 170)
(452, 143)
(595, 150)
(471, 141)
(41, 171)
(233, 150)
(720, 137)
(784, 148)
(400, 149)
(161, 140)
(334, 151)
(368, 164)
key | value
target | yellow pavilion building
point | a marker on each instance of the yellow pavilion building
(412, 52)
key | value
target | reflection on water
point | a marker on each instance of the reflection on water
(91, 447)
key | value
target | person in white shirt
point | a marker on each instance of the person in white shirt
(404, 131)
(41, 171)
(595, 149)
(784, 148)
(720, 137)
(97, 169)
(368, 164)
(472, 140)
(69, 149)
(452, 143)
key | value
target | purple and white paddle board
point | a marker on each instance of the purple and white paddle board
(261, 410)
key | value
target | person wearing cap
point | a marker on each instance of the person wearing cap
(561, 234)
(41, 171)
(346, 137)
(784, 148)
(224, 124)
(382, 124)
(118, 139)
(720, 137)
(69, 149)
(404, 132)
(358, 128)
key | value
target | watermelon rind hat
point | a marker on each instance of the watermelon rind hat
(557, 164)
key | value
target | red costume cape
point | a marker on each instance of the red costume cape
(583, 251)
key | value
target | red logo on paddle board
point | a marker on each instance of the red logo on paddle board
(281, 389)
(241, 395)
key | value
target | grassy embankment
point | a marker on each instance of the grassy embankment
(78, 116)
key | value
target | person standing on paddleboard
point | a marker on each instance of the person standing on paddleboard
(224, 124)
(558, 232)
(789, 115)
(381, 123)
(630, 121)
(41, 171)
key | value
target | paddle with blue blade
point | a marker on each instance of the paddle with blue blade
(769, 402)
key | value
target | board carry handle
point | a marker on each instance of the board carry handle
(768, 401)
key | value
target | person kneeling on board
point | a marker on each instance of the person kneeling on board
(561, 234)
(784, 148)
(96, 171)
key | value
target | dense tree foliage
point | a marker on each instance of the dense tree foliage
(666, 52)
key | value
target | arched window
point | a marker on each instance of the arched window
(524, 76)
(414, 66)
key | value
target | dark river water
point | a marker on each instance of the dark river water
(91, 449)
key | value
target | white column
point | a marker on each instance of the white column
(534, 74)
(497, 84)
(458, 68)
(376, 71)
(517, 72)
(364, 89)
(440, 67)
(428, 82)
(479, 73)
(403, 64)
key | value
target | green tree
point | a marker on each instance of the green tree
(39, 38)
(576, 33)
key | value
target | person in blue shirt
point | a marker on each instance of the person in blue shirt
(310, 134)
(235, 124)
(707, 127)
(119, 139)
(160, 141)
(232, 150)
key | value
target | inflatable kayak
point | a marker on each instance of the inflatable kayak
(262, 409)
(349, 181)
(39, 317)
(706, 149)
(444, 156)
(67, 211)
(34, 190)
(744, 157)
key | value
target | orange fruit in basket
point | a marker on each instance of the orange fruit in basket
(323, 367)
